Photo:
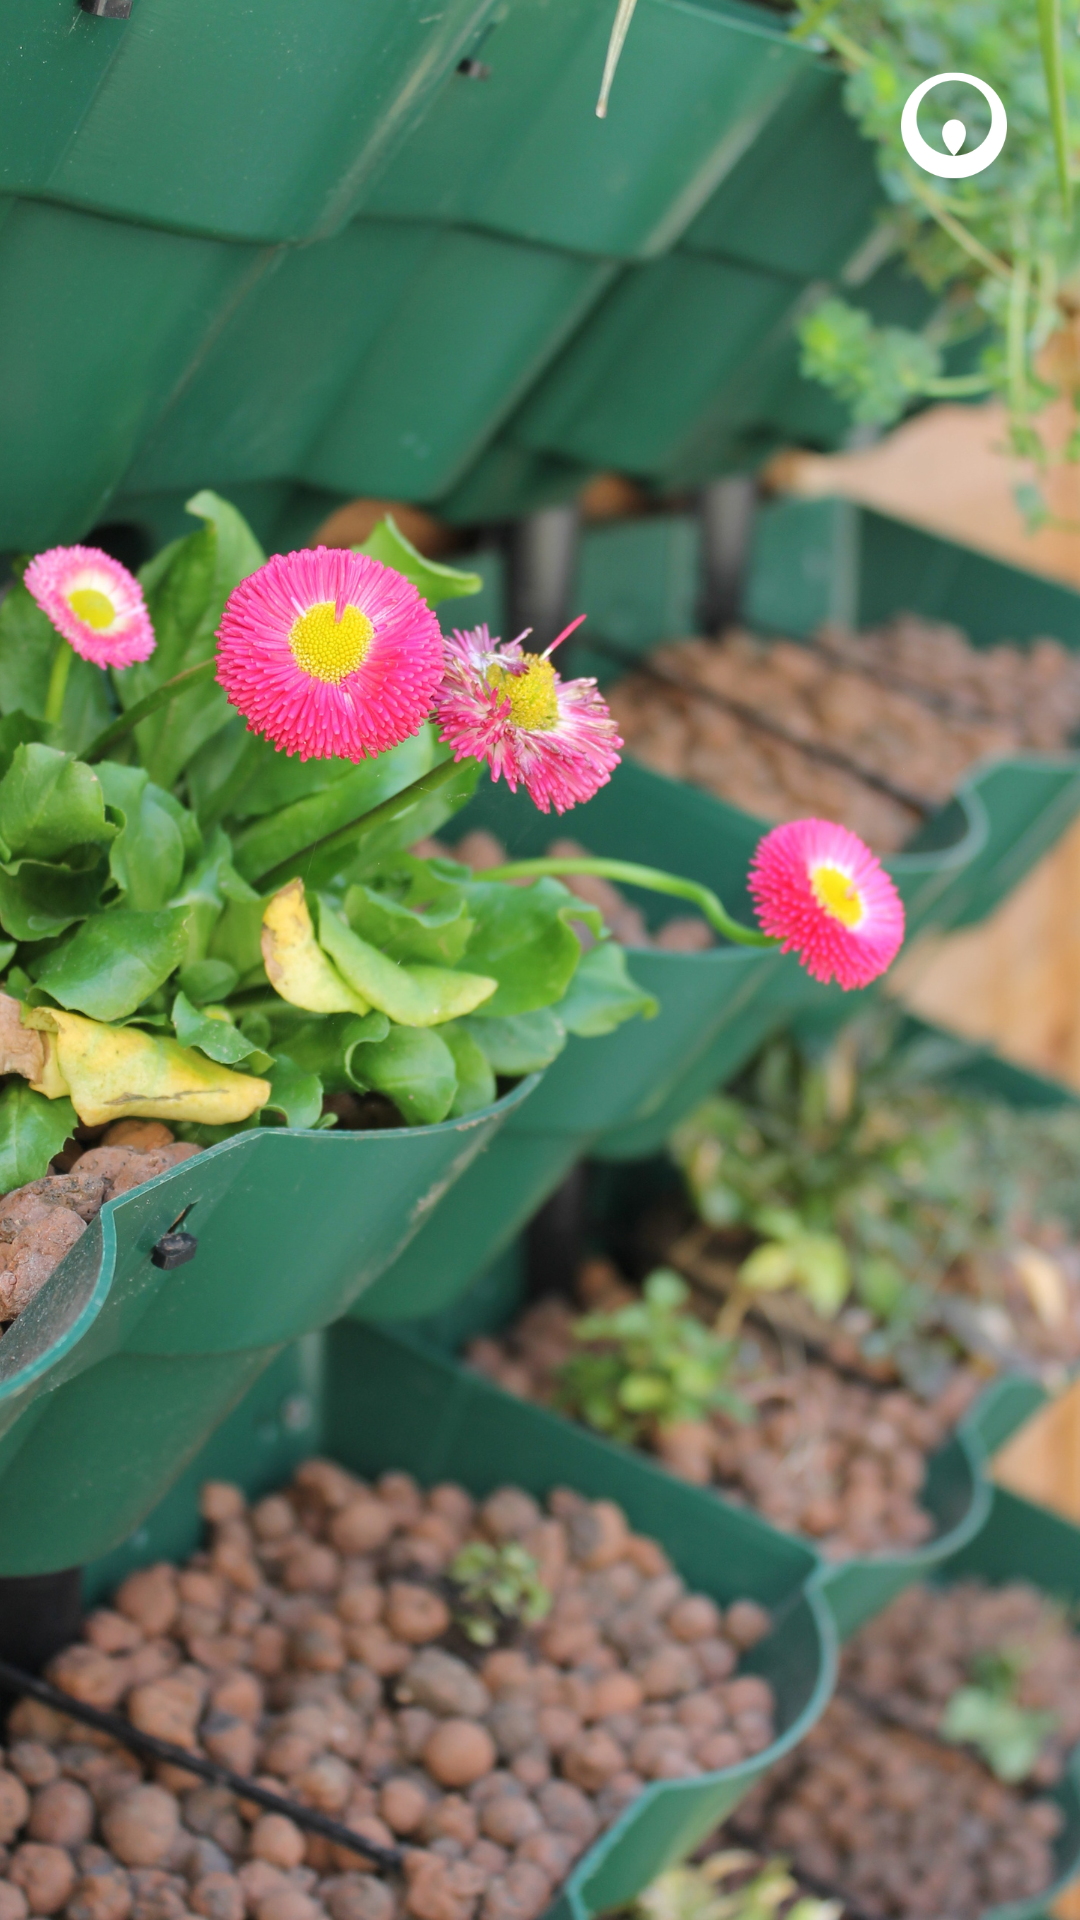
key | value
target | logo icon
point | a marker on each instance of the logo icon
(953, 165)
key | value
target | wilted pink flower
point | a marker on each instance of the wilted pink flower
(823, 894)
(554, 737)
(328, 652)
(94, 602)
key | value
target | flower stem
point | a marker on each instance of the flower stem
(380, 816)
(631, 875)
(58, 679)
(142, 709)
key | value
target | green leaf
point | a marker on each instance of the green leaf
(387, 543)
(206, 980)
(16, 730)
(186, 587)
(475, 1076)
(147, 857)
(415, 1069)
(525, 941)
(28, 645)
(215, 891)
(1009, 1737)
(351, 792)
(414, 995)
(216, 1037)
(39, 900)
(50, 803)
(374, 847)
(602, 994)
(295, 1095)
(414, 914)
(329, 1046)
(115, 961)
(522, 1044)
(32, 1130)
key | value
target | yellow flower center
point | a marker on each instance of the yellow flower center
(532, 697)
(327, 648)
(838, 894)
(95, 608)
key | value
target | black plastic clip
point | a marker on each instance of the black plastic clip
(174, 1250)
(107, 9)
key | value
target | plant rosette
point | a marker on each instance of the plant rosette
(210, 779)
(853, 1197)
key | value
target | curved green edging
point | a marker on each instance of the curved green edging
(392, 1402)
(117, 1371)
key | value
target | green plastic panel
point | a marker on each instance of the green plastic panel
(117, 1371)
(521, 150)
(215, 116)
(379, 362)
(818, 560)
(508, 481)
(376, 1401)
(638, 386)
(804, 195)
(639, 580)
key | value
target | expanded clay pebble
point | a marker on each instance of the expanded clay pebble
(863, 694)
(41, 1222)
(824, 1455)
(312, 1640)
(904, 1825)
(930, 1642)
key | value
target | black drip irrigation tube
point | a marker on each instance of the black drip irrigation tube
(15, 1682)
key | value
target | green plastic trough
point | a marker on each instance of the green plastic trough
(117, 1371)
(378, 362)
(374, 1400)
(519, 148)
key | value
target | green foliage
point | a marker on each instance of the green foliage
(1000, 247)
(32, 1130)
(860, 1176)
(388, 544)
(133, 891)
(647, 1365)
(762, 1890)
(987, 1715)
(496, 1588)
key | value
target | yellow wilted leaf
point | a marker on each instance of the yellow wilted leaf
(111, 1073)
(1043, 1283)
(297, 967)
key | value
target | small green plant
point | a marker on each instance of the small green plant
(696, 1892)
(859, 1177)
(987, 1715)
(496, 1588)
(648, 1365)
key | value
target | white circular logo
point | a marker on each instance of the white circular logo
(953, 165)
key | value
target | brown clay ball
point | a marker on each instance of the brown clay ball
(459, 1752)
(14, 1806)
(141, 1826)
(46, 1876)
(62, 1814)
(277, 1839)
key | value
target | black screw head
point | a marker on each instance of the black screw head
(174, 1250)
(107, 9)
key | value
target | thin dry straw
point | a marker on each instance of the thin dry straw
(615, 46)
(813, 749)
(126, 1735)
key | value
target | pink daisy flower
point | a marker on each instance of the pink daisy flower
(554, 737)
(328, 652)
(823, 894)
(94, 602)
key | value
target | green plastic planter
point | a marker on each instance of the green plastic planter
(642, 383)
(387, 1402)
(378, 362)
(117, 1372)
(1024, 1542)
(216, 117)
(804, 195)
(519, 148)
